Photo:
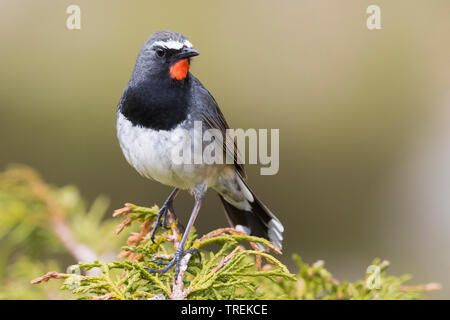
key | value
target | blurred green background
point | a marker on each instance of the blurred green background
(363, 115)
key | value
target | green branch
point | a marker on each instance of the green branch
(233, 272)
(39, 222)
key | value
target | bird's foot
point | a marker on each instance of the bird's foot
(176, 261)
(163, 213)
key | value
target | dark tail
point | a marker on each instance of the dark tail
(258, 222)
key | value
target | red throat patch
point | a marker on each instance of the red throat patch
(180, 69)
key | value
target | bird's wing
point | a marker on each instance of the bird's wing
(213, 118)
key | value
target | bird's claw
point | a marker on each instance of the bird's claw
(176, 261)
(164, 222)
(163, 212)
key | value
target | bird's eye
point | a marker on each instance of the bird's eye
(160, 52)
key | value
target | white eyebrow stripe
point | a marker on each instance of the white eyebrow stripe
(173, 44)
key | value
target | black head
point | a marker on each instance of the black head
(158, 93)
(166, 55)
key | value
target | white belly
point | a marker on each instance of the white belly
(151, 153)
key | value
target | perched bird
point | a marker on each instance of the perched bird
(163, 99)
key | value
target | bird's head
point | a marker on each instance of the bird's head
(167, 55)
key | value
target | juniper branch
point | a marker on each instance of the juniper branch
(233, 272)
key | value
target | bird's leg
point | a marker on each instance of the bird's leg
(168, 205)
(199, 192)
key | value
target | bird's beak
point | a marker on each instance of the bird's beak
(187, 53)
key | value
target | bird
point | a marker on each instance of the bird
(162, 99)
